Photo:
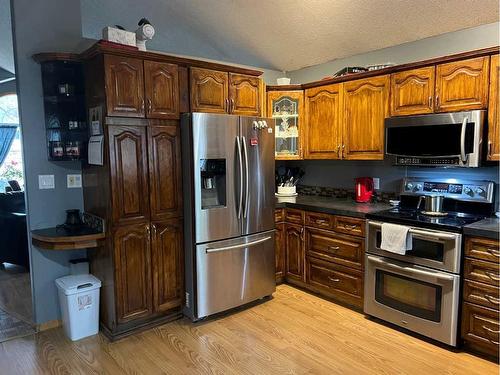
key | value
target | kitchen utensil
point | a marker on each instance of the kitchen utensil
(433, 204)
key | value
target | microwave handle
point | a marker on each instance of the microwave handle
(463, 157)
(412, 270)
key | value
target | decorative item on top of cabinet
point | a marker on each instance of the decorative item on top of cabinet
(462, 85)
(412, 92)
(366, 105)
(124, 78)
(494, 111)
(161, 82)
(294, 243)
(244, 95)
(286, 107)
(323, 112)
(209, 91)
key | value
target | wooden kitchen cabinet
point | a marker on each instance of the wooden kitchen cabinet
(294, 242)
(209, 91)
(124, 86)
(132, 254)
(165, 174)
(462, 85)
(168, 269)
(161, 82)
(412, 92)
(323, 112)
(366, 105)
(280, 253)
(494, 111)
(128, 159)
(244, 95)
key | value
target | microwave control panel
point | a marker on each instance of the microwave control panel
(467, 190)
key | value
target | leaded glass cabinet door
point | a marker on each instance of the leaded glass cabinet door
(286, 108)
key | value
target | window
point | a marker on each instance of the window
(11, 167)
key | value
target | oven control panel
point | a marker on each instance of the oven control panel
(468, 190)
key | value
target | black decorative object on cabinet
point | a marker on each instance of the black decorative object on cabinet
(65, 114)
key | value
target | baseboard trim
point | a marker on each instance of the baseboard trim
(48, 325)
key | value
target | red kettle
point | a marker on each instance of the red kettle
(364, 189)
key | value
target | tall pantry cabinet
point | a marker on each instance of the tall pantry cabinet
(137, 191)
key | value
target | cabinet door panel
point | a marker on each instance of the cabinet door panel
(132, 255)
(494, 112)
(412, 92)
(279, 248)
(168, 269)
(162, 90)
(323, 109)
(366, 105)
(165, 176)
(294, 243)
(209, 90)
(462, 85)
(124, 86)
(244, 95)
(129, 173)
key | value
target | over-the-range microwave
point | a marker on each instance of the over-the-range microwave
(436, 140)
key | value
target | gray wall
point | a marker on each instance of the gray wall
(42, 25)
(455, 42)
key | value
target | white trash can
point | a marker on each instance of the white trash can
(79, 300)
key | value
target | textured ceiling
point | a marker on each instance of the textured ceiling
(287, 34)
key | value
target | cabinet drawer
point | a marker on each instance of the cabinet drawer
(342, 282)
(319, 220)
(350, 225)
(485, 272)
(480, 328)
(279, 215)
(482, 294)
(294, 216)
(482, 248)
(341, 249)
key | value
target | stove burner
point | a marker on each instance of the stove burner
(435, 213)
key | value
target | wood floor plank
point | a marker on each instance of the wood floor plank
(293, 333)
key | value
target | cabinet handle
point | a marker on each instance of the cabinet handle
(226, 106)
(142, 105)
(320, 221)
(430, 102)
(231, 109)
(302, 234)
(350, 226)
(333, 248)
(492, 276)
(148, 231)
(149, 105)
(338, 151)
(333, 279)
(492, 299)
(437, 101)
(343, 151)
(493, 252)
(489, 148)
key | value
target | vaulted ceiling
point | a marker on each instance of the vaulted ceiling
(286, 34)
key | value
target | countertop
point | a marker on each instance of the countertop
(488, 228)
(330, 205)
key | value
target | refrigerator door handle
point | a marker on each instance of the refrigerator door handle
(240, 163)
(234, 247)
(247, 183)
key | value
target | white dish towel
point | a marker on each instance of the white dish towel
(396, 238)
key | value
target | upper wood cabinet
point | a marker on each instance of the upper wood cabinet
(244, 95)
(132, 255)
(128, 159)
(366, 105)
(412, 92)
(167, 253)
(161, 82)
(287, 109)
(165, 175)
(220, 92)
(124, 86)
(462, 85)
(494, 111)
(323, 112)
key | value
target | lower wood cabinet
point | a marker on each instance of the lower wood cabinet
(294, 243)
(280, 256)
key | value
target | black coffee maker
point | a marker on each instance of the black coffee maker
(73, 218)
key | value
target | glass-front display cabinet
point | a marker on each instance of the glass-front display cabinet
(286, 108)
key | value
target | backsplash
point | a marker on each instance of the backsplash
(324, 191)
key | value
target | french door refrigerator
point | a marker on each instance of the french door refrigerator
(228, 183)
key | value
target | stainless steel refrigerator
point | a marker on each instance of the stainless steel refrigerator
(228, 183)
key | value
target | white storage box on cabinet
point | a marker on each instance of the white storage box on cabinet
(79, 300)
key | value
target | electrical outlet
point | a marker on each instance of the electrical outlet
(74, 181)
(376, 183)
(46, 181)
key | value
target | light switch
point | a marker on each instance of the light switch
(74, 181)
(376, 183)
(46, 181)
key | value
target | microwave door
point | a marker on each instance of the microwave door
(258, 155)
(216, 176)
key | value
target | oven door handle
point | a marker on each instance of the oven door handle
(439, 276)
(433, 235)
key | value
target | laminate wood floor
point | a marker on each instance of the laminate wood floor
(294, 333)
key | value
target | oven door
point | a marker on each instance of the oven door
(430, 248)
(416, 298)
